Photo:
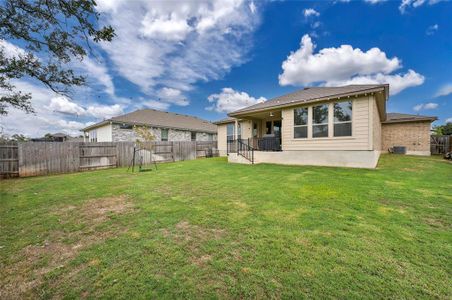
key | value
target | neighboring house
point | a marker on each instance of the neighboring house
(57, 137)
(329, 126)
(165, 126)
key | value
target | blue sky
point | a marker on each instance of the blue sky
(208, 58)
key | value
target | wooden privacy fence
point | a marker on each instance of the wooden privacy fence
(44, 158)
(440, 144)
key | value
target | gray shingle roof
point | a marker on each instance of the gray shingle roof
(312, 94)
(164, 119)
(399, 118)
(225, 120)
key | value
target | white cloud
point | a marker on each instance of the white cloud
(175, 45)
(98, 73)
(44, 120)
(11, 50)
(397, 82)
(104, 111)
(432, 29)
(172, 96)
(344, 65)
(169, 27)
(252, 7)
(425, 106)
(444, 90)
(63, 105)
(156, 105)
(230, 100)
(448, 120)
(374, 1)
(415, 3)
(308, 12)
(54, 113)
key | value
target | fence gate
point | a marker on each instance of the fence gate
(97, 156)
(9, 160)
(440, 144)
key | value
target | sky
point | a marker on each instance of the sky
(209, 58)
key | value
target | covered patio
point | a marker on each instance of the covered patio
(261, 131)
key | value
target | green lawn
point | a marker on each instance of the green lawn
(211, 229)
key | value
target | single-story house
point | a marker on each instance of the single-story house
(328, 126)
(165, 126)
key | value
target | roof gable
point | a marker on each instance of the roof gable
(313, 94)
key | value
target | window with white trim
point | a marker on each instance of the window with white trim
(164, 134)
(93, 136)
(343, 118)
(320, 121)
(300, 117)
(230, 131)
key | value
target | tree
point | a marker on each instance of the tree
(19, 137)
(144, 137)
(52, 33)
(443, 129)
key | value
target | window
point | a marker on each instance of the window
(277, 128)
(268, 127)
(239, 131)
(125, 126)
(254, 129)
(164, 134)
(230, 131)
(300, 116)
(320, 121)
(343, 118)
(93, 136)
(193, 136)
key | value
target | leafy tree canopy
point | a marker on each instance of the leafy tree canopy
(52, 33)
(443, 129)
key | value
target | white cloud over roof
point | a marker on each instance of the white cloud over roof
(344, 65)
(230, 100)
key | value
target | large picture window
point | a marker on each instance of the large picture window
(343, 118)
(230, 131)
(320, 121)
(300, 129)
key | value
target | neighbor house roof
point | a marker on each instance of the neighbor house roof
(157, 118)
(313, 94)
(400, 118)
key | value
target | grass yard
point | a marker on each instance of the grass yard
(208, 229)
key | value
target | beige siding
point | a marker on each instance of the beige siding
(361, 138)
(222, 136)
(104, 133)
(246, 129)
(413, 135)
(376, 127)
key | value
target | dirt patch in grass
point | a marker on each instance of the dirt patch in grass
(22, 277)
(184, 231)
(191, 237)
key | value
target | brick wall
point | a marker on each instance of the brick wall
(174, 135)
(415, 136)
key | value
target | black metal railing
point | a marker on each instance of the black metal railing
(245, 150)
(266, 144)
(231, 146)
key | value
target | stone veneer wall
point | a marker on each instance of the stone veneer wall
(128, 135)
(415, 136)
